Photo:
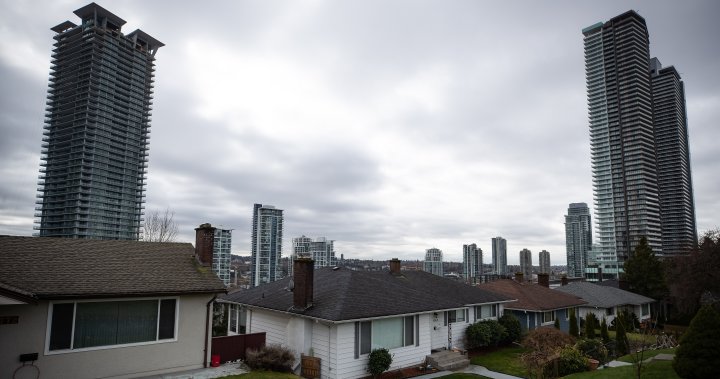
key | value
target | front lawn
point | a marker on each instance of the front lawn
(505, 360)
(262, 375)
(652, 370)
(646, 354)
(464, 376)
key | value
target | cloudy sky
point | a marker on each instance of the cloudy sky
(389, 126)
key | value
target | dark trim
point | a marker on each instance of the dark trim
(130, 294)
(207, 323)
(357, 339)
(29, 299)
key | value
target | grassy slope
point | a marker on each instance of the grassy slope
(505, 360)
(653, 370)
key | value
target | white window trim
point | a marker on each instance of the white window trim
(542, 315)
(72, 333)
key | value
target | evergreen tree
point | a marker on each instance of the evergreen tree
(590, 325)
(574, 331)
(644, 272)
(604, 331)
(621, 342)
(697, 356)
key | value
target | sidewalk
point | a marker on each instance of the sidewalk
(204, 373)
(471, 369)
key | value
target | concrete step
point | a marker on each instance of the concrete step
(448, 360)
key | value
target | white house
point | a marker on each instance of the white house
(76, 308)
(606, 302)
(340, 315)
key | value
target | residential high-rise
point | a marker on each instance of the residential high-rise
(267, 234)
(578, 239)
(433, 262)
(526, 264)
(222, 245)
(472, 261)
(544, 262)
(677, 208)
(96, 134)
(321, 250)
(638, 139)
(499, 256)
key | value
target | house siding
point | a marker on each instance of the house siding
(28, 336)
(275, 326)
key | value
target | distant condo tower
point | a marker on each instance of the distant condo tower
(97, 124)
(321, 250)
(544, 262)
(472, 261)
(578, 239)
(526, 264)
(640, 155)
(499, 256)
(433, 262)
(267, 234)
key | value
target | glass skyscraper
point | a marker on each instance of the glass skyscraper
(97, 123)
(499, 256)
(472, 261)
(578, 239)
(433, 261)
(267, 234)
(222, 245)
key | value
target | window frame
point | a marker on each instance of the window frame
(493, 312)
(643, 308)
(413, 329)
(75, 302)
(553, 318)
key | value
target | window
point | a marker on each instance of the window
(485, 311)
(389, 333)
(645, 309)
(457, 315)
(548, 317)
(81, 325)
(610, 311)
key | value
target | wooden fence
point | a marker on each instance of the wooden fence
(232, 348)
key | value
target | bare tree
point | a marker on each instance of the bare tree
(160, 227)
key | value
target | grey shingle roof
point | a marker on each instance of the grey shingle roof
(344, 294)
(50, 268)
(603, 296)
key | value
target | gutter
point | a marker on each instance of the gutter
(207, 327)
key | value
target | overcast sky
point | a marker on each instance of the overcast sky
(389, 126)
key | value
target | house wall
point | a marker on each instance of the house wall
(28, 336)
(274, 324)
(350, 368)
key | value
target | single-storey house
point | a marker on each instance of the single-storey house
(536, 304)
(340, 315)
(78, 308)
(606, 301)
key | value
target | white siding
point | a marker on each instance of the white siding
(349, 367)
(275, 326)
(321, 345)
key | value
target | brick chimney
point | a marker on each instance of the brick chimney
(519, 277)
(564, 280)
(204, 241)
(395, 266)
(303, 286)
(544, 280)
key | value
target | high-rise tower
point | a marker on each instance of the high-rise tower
(578, 239)
(221, 253)
(97, 123)
(544, 259)
(499, 256)
(526, 264)
(433, 261)
(677, 206)
(472, 261)
(267, 233)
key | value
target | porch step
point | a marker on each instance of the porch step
(448, 360)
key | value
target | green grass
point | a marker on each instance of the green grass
(646, 354)
(653, 370)
(506, 360)
(464, 376)
(262, 375)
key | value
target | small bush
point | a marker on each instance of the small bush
(604, 331)
(485, 333)
(513, 330)
(379, 361)
(270, 357)
(574, 331)
(697, 356)
(594, 349)
(571, 361)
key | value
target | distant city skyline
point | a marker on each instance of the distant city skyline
(428, 146)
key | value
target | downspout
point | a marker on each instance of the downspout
(207, 323)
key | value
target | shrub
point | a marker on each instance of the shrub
(513, 330)
(574, 324)
(270, 357)
(557, 323)
(621, 341)
(593, 348)
(571, 361)
(604, 331)
(699, 348)
(485, 333)
(591, 323)
(543, 344)
(379, 361)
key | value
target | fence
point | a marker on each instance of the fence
(232, 348)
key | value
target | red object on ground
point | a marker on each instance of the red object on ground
(215, 360)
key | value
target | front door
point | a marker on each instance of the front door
(439, 332)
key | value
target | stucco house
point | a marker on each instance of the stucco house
(340, 315)
(536, 305)
(606, 301)
(77, 308)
